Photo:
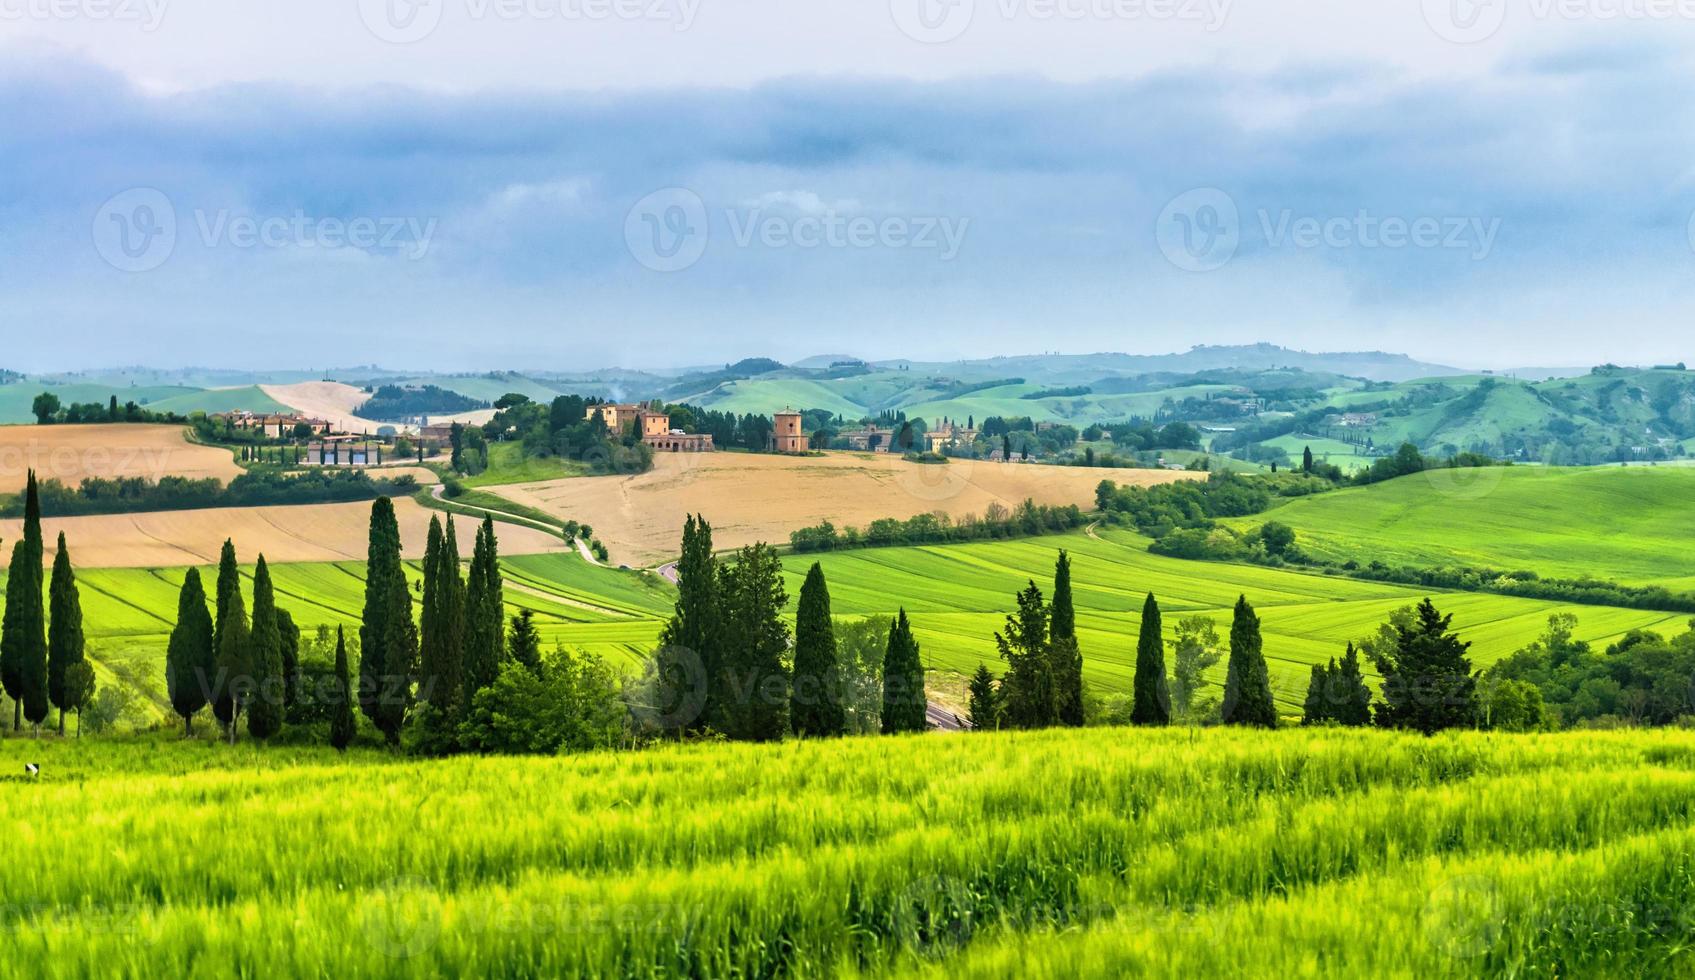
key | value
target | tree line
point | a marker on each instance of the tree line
(724, 665)
(256, 488)
(1030, 518)
(43, 659)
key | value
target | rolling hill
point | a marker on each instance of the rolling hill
(1627, 524)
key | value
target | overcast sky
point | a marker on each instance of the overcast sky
(563, 184)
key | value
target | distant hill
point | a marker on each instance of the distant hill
(1370, 365)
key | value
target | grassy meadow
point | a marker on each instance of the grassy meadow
(1625, 524)
(1103, 852)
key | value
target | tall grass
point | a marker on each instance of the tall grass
(1104, 852)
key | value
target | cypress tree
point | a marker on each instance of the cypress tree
(432, 620)
(229, 660)
(234, 665)
(65, 642)
(485, 622)
(1350, 697)
(754, 698)
(1247, 684)
(265, 710)
(388, 638)
(984, 704)
(341, 716)
(1152, 697)
(1064, 649)
(904, 700)
(189, 660)
(1306, 459)
(290, 636)
(816, 708)
(23, 630)
(1316, 709)
(687, 662)
(450, 622)
(524, 643)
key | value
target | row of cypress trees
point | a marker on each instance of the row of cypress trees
(43, 656)
(241, 664)
(1043, 684)
(720, 665)
(462, 640)
(238, 663)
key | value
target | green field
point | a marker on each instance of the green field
(1106, 852)
(15, 399)
(1342, 454)
(958, 596)
(507, 463)
(1626, 524)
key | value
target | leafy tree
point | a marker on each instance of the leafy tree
(1152, 698)
(1427, 679)
(79, 688)
(23, 630)
(1028, 697)
(860, 648)
(1196, 651)
(523, 642)
(65, 642)
(1247, 683)
(983, 705)
(1508, 705)
(815, 707)
(1064, 649)
(905, 704)
(45, 407)
(687, 662)
(341, 717)
(754, 684)
(189, 659)
(570, 701)
(266, 709)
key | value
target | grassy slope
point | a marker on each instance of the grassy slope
(15, 399)
(1631, 525)
(959, 595)
(1104, 853)
(508, 464)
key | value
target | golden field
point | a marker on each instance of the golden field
(73, 453)
(753, 497)
(305, 533)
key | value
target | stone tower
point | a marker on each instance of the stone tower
(789, 438)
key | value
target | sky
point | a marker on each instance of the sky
(569, 184)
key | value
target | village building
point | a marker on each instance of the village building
(657, 433)
(948, 435)
(1358, 420)
(273, 425)
(869, 439)
(788, 437)
(617, 418)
